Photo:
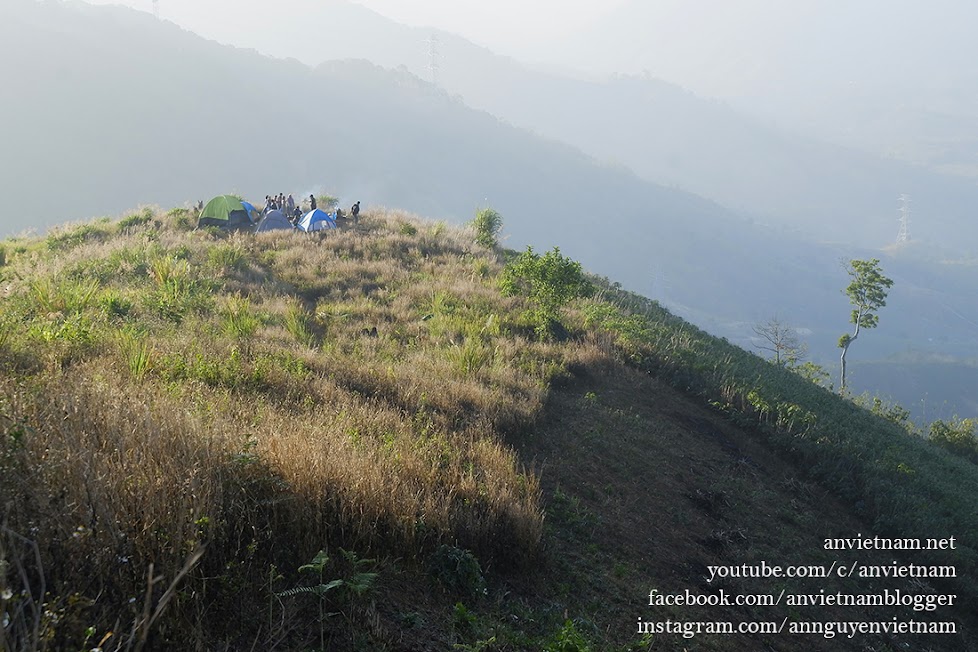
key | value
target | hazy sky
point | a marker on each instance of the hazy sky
(510, 22)
(520, 28)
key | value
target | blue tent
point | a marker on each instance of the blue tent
(316, 220)
(252, 211)
(274, 220)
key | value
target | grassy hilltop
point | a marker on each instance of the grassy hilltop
(356, 441)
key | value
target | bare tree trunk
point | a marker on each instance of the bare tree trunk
(842, 383)
(845, 349)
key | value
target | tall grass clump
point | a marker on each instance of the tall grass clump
(66, 238)
(67, 296)
(135, 220)
(487, 225)
(136, 351)
(177, 292)
(298, 322)
(227, 257)
(239, 321)
(470, 356)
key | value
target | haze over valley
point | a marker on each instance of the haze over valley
(724, 210)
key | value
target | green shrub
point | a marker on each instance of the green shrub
(463, 620)
(137, 219)
(568, 639)
(957, 436)
(182, 219)
(114, 305)
(549, 281)
(71, 238)
(458, 571)
(327, 202)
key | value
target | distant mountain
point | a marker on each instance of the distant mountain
(118, 108)
(660, 131)
(891, 77)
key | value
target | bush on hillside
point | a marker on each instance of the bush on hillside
(550, 281)
(957, 436)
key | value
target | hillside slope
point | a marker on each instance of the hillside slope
(188, 418)
(157, 114)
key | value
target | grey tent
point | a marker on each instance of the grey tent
(274, 220)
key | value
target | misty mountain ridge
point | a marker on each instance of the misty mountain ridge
(887, 77)
(662, 132)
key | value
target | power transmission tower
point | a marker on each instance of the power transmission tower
(904, 235)
(156, 9)
(433, 57)
(659, 285)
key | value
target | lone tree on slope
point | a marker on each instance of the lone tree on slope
(782, 340)
(867, 293)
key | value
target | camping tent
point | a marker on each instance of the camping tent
(252, 211)
(274, 220)
(225, 211)
(316, 220)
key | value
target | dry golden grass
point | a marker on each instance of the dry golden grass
(271, 395)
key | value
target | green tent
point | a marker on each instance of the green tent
(225, 211)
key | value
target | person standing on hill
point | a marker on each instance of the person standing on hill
(290, 204)
(355, 211)
(312, 203)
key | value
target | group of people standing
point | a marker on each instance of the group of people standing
(293, 210)
(287, 205)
